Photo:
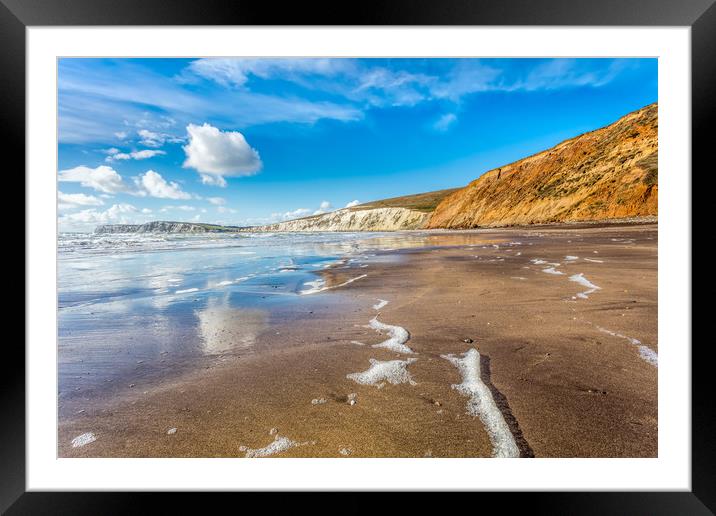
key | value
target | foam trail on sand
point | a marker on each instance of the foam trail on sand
(380, 304)
(552, 270)
(317, 285)
(592, 260)
(645, 352)
(398, 336)
(482, 404)
(84, 439)
(579, 278)
(571, 258)
(649, 355)
(280, 444)
(391, 371)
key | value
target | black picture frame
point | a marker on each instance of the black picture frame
(17, 15)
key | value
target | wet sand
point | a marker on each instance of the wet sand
(564, 371)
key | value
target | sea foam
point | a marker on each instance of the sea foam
(83, 440)
(391, 371)
(277, 446)
(398, 336)
(380, 304)
(579, 278)
(482, 404)
(646, 353)
(319, 285)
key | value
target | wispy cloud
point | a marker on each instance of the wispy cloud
(99, 99)
(443, 123)
(116, 155)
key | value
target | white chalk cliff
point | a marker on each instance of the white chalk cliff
(349, 219)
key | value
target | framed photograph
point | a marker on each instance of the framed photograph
(418, 248)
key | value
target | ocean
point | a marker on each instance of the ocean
(136, 307)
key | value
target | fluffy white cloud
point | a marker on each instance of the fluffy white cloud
(224, 209)
(103, 178)
(114, 154)
(216, 201)
(352, 203)
(85, 219)
(219, 153)
(443, 123)
(153, 184)
(323, 208)
(70, 201)
(208, 179)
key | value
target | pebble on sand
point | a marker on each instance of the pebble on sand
(171, 431)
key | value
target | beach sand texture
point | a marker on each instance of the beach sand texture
(562, 321)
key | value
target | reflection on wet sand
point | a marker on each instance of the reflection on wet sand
(223, 329)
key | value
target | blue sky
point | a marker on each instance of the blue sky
(251, 141)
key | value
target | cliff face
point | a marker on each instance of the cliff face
(163, 227)
(608, 173)
(348, 219)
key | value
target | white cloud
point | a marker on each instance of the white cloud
(183, 207)
(216, 201)
(121, 135)
(155, 139)
(323, 208)
(146, 210)
(224, 209)
(220, 153)
(208, 179)
(295, 214)
(236, 71)
(86, 219)
(154, 185)
(142, 154)
(444, 123)
(103, 178)
(70, 201)
(352, 203)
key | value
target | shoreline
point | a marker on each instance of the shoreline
(563, 387)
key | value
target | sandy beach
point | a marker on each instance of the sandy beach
(563, 321)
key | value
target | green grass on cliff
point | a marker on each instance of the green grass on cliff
(425, 202)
